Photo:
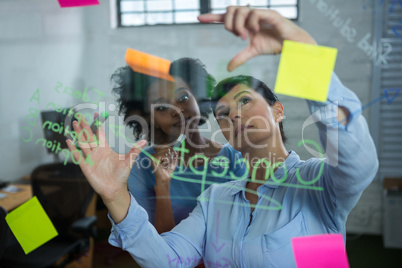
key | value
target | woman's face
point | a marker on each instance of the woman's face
(246, 119)
(173, 108)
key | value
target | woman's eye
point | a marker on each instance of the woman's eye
(244, 101)
(222, 116)
(161, 107)
(183, 98)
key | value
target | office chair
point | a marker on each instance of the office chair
(65, 195)
(3, 231)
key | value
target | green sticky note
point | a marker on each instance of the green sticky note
(30, 225)
(305, 70)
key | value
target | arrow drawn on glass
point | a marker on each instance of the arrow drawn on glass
(389, 98)
(216, 244)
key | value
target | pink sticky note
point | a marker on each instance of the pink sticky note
(320, 251)
(78, 3)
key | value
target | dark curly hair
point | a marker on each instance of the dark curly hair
(131, 89)
(224, 86)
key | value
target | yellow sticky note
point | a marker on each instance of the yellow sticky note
(31, 225)
(305, 70)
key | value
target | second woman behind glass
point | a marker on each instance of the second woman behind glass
(170, 109)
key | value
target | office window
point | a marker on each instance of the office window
(152, 12)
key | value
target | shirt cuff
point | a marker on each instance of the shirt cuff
(136, 217)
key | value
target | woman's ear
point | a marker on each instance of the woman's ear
(279, 111)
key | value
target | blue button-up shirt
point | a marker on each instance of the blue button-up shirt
(304, 198)
(183, 193)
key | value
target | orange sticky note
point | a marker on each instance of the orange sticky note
(148, 64)
(317, 251)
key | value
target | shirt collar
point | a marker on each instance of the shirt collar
(238, 186)
(292, 159)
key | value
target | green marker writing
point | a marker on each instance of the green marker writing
(99, 120)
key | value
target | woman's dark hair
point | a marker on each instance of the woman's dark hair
(131, 89)
(224, 86)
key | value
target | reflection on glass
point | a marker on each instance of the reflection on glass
(186, 4)
(254, 2)
(132, 19)
(186, 17)
(186, 11)
(126, 6)
(159, 5)
(283, 2)
(160, 18)
(282, 6)
(222, 3)
(288, 12)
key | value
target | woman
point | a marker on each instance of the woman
(250, 223)
(169, 109)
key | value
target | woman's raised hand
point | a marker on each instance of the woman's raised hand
(107, 171)
(266, 30)
(164, 166)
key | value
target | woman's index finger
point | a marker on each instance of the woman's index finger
(211, 18)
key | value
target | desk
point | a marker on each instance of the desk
(13, 200)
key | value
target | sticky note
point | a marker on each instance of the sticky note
(78, 3)
(305, 70)
(30, 225)
(148, 64)
(319, 251)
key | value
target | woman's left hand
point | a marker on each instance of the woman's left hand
(167, 158)
(266, 29)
